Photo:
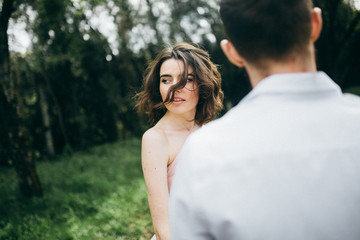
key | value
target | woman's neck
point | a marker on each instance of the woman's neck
(179, 122)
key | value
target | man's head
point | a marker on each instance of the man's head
(262, 30)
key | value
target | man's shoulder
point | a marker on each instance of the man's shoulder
(233, 119)
(217, 132)
(352, 99)
(217, 127)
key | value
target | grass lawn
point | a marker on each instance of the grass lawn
(94, 194)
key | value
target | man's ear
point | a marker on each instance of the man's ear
(231, 53)
(316, 23)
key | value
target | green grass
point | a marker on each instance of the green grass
(95, 194)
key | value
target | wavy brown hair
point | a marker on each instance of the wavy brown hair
(207, 78)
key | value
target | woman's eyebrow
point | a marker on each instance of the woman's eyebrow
(165, 75)
(168, 75)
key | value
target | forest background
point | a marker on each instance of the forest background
(72, 88)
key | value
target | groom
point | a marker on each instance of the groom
(285, 162)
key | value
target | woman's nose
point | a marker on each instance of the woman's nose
(177, 80)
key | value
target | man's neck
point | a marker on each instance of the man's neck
(292, 65)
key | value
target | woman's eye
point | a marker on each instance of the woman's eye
(164, 80)
(190, 80)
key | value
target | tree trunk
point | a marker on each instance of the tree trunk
(5, 146)
(5, 14)
(22, 157)
(19, 152)
(46, 120)
(57, 105)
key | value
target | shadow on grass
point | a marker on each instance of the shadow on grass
(94, 194)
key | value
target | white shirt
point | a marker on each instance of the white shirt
(283, 164)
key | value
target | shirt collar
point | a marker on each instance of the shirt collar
(295, 83)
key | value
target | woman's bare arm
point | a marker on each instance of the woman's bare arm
(155, 155)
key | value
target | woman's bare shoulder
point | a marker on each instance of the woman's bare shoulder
(154, 148)
(154, 135)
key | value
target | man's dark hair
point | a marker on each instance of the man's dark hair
(267, 29)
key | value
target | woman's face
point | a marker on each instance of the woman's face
(185, 99)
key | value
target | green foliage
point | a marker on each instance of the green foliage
(353, 90)
(338, 46)
(98, 193)
(89, 82)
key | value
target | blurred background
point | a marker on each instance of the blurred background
(69, 69)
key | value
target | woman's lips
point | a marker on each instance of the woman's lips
(178, 100)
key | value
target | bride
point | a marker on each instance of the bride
(181, 92)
